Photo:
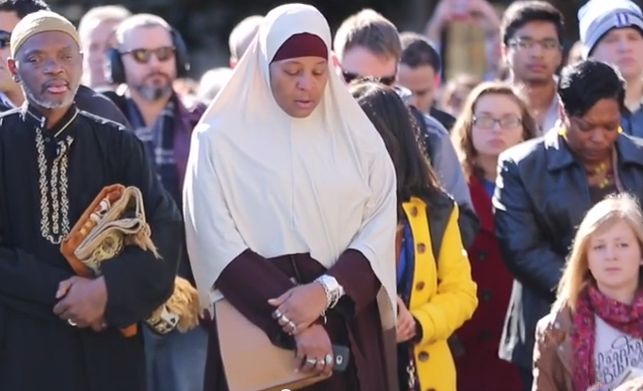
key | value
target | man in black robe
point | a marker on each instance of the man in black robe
(54, 160)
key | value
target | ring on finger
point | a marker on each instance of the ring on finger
(311, 361)
(293, 326)
(284, 319)
(72, 323)
(321, 362)
(328, 359)
(277, 314)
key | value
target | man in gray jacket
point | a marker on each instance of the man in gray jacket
(368, 45)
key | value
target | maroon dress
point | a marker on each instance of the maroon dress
(250, 280)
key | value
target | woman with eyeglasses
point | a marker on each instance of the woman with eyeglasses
(493, 119)
(436, 292)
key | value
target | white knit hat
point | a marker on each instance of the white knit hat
(597, 17)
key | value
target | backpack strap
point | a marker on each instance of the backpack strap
(439, 213)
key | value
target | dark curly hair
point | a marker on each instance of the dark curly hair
(23, 8)
(584, 83)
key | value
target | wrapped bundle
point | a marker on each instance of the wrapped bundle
(115, 219)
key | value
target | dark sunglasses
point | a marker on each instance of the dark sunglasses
(5, 39)
(142, 56)
(386, 80)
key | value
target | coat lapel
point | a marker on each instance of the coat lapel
(564, 325)
(481, 203)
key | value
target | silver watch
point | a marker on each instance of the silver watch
(333, 290)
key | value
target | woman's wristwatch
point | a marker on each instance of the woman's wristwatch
(333, 290)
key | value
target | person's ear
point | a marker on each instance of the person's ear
(11, 66)
(504, 51)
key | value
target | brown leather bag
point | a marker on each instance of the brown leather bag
(115, 219)
(250, 361)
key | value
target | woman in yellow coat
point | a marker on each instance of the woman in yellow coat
(436, 296)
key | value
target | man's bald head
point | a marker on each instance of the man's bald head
(137, 21)
(96, 29)
(241, 37)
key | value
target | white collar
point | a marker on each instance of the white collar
(6, 101)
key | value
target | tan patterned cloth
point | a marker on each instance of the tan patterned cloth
(40, 22)
(115, 219)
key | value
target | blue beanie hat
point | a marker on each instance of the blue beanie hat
(597, 17)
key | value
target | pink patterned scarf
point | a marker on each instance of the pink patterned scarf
(627, 319)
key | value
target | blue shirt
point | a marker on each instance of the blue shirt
(489, 186)
(406, 264)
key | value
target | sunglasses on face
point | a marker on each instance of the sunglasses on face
(386, 80)
(142, 56)
(5, 39)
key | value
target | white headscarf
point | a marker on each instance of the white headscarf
(258, 178)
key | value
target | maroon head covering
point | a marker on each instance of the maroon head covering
(301, 45)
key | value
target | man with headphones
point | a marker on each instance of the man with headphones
(149, 56)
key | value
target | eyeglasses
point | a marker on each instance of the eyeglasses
(5, 39)
(386, 80)
(142, 56)
(506, 122)
(528, 44)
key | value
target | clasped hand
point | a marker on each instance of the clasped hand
(82, 302)
(299, 307)
(406, 324)
(314, 351)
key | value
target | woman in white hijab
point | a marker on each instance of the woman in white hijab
(288, 179)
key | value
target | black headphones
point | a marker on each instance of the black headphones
(115, 70)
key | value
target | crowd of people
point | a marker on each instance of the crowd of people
(473, 234)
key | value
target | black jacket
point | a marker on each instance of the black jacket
(542, 195)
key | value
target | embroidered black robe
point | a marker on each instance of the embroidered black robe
(39, 351)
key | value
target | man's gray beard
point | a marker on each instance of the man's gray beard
(154, 93)
(48, 104)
